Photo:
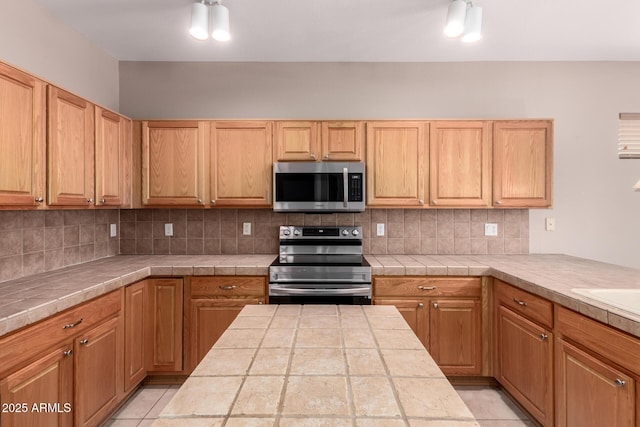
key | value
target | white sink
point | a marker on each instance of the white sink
(625, 299)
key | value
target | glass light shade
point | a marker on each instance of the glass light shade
(637, 186)
(199, 21)
(220, 18)
(473, 25)
(455, 18)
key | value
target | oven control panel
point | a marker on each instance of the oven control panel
(291, 232)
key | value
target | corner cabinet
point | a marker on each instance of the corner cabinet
(240, 163)
(173, 158)
(397, 163)
(522, 163)
(22, 139)
(70, 149)
(445, 314)
(460, 164)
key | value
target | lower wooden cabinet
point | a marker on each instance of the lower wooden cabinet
(48, 380)
(164, 325)
(135, 304)
(98, 373)
(590, 392)
(214, 304)
(445, 314)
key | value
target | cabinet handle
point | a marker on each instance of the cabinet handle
(84, 341)
(522, 303)
(325, 157)
(73, 325)
(103, 201)
(213, 202)
(39, 200)
(435, 305)
(90, 200)
(67, 352)
(227, 288)
(426, 288)
(620, 383)
(312, 156)
(544, 337)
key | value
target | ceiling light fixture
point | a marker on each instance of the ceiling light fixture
(464, 19)
(219, 21)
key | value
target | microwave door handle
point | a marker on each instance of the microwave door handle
(345, 187)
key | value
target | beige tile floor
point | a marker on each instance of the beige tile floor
(490, 406)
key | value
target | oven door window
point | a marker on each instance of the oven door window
(309, 187)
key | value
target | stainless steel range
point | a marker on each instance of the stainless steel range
(320, 265)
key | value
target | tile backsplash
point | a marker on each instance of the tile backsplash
(407, 231)
(36, 241)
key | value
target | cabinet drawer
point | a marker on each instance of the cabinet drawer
(19, 347)
(427, 286)
(231, 286)
(530, 306)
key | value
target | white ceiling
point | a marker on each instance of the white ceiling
(360, 30)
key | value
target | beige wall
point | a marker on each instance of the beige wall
(595, 209)
(35, 41)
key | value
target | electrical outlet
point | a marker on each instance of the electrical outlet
(168, 230)
(490, 229)
(380, 229)
(550, 224)
(246, 229)
(113, 230)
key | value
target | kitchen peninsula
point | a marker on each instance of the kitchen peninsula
(293, 365)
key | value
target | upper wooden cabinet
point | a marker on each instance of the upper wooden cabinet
(113, 158)
(397, 163)
(22, 139)
(460, 164)
(173, 162)
(240, 167)
(70, 149)
(319, 141)
(522, 163)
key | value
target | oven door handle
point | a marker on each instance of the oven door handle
(345, 186)
(284, 290)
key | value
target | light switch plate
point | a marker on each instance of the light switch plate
(246, 229)
(490, 229)
(380, 229)
(168, 230)
(550, 224)
(113, 230)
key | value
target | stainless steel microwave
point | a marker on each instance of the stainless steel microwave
(318, 187)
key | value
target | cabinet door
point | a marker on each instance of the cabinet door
(173, 163)
(414, 312)
(455, 331)
(460, 164)
(343, 141)
(111, 144)
(524, 363)
(134, 334)
(522, 163)
(48, 380)
(98, 372)
(70, 149)
(22, 138)
(590, 393)
(296, 140)
(209, 319)
(241, 163)
(164, 325)
(396, 164)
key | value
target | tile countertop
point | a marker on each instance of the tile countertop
(29, 299)
(293, 365)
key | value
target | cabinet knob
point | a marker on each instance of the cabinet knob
(619, 382)
(544, 337)
(260, 303)
(39, 200)
(67, 352)
(435, 305)
(498, 202)
(213, 202)
(312, 156)
(421, 202)
(420, 305)
(103, 201)
(519, 302)
(84, 341)
(325, 157)
(200, 202)
(90, 200)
